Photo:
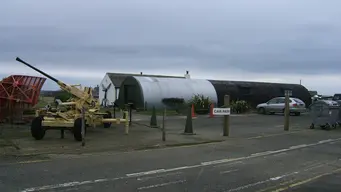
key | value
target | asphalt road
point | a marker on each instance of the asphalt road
(294, 161)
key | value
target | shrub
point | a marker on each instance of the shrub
(239, 106)
(201, 103)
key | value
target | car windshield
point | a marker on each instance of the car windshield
(337, 97)
(298, 101)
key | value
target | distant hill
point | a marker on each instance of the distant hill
(48, 93)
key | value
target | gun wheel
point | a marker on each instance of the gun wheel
(37, 130)
(77, 129)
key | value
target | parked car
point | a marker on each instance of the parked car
(337, 97)
(277, 105)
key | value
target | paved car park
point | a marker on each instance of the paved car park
(258, 156)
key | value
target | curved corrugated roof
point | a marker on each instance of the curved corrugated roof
(118, 78)
(155, 89)
(257, 92)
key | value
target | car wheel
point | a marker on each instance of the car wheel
(261, 110)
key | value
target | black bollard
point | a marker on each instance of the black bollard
(153, 121)
(189, 123)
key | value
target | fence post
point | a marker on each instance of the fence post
(163, 125)
(286, 110)
(83, 126)
(226, 131)
(130, 112)
(126, 122)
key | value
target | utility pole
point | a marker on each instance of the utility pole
(288, 93)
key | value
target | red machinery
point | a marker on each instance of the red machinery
(17, 93)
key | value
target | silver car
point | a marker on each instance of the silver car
(277, 105)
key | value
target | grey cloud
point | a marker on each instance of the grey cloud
(267, 36)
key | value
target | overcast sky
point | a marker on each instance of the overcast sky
(79, 41)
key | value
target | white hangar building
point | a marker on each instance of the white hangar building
(109, 87)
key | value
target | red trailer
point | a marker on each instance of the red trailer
(17, 93)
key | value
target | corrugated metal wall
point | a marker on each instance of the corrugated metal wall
(257, 92)
(154, 89)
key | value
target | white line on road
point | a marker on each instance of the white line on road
(145, 173)
(161, 184)
(326, 141)
(261, 182)
(229, 171)
(70, 184)
(216, 162)
(280, 154)
(158, 176)
(228, 164)
(298, 146)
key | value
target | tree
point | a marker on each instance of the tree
(62, 95)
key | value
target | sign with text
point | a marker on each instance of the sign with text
(221, 111)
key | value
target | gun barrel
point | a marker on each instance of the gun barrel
(39, 71)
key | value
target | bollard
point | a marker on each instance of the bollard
(286, 110)
(130, 113)
(189, 123)
(145, 106)
(163, 125)
(226, 131)
(153, 120)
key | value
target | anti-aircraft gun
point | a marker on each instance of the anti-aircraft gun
(71, 117)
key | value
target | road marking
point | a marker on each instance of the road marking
(202, 164)
(317, 165)
(25, 162)
(306, 181)
(228, 164)
(33, 161)
(182, 168)
(310, 167)
(158, 176)
(325, 141)
(278, 134)
(261, 182)
(145, 173)
(229, 171)
(261, 153)
(161, 184)
(298, 146)
(69, 184)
